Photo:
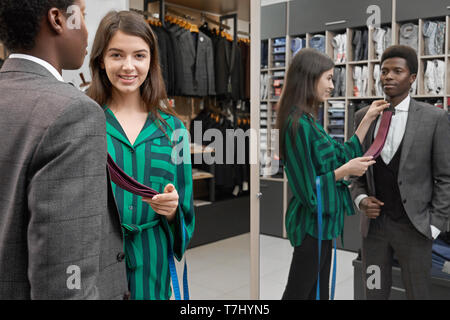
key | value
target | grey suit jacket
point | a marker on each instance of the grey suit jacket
(198, 64)
(424, 172)
(60, 233)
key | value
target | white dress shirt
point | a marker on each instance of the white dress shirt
(396, 130)
(393, 141)
(41, 62)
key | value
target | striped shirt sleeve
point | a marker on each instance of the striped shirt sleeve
(183, 227)
(302, 163)
(349, 150)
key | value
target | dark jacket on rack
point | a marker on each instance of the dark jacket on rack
(178, 81)
(245, 55)
(198, 63)
(229, 70)
(166, 58)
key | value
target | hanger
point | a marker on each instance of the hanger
(194, 28)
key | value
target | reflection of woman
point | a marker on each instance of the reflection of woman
(127, 81)
(309, 152)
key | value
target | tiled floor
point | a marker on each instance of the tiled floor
(221, 270)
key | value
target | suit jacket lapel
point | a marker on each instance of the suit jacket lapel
(368, 140)
(190, 44)
(410, 130)
(199, 55)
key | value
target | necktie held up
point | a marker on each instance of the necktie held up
(380, 139)
(124, 181)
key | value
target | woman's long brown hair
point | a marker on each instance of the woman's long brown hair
(299, 94)
(153, 91)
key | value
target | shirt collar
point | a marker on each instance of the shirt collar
(41, 62)
(404, 105)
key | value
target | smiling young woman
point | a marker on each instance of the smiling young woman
(141, 129)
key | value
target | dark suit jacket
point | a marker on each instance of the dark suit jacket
(228, 64)
(166, 58)
(424, 171)
(198, 64)
(59, 226)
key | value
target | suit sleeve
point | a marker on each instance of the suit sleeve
(210, 69)
(358, 184)
(440, 202)
(302, 172)
(67, 197)
(182, 228)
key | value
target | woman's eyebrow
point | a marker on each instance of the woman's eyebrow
(120, 50)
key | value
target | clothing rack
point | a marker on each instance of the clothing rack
(182, 15)
(163, 9)
(210, 20)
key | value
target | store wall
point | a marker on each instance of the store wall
(96, 10)
(269, 2)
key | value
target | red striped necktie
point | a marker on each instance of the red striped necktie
(124, 181)
(380, 139)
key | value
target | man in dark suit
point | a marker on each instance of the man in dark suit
(404, 198)
(60, 234)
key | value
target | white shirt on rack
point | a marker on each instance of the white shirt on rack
(41, 62)
(393, 141)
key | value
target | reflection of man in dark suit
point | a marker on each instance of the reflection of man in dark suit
(60, 235)
(404, 198)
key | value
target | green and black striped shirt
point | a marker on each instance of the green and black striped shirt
(311, 152)
(150, 162)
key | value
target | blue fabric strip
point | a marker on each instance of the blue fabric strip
(319, 231)
(174, 276)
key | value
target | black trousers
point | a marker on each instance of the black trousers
(385, 239)
(302, 281)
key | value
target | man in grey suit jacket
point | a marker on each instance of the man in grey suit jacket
(405, 197)
(60, 234)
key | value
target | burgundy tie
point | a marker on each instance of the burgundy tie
(380, 139)
(124, 181)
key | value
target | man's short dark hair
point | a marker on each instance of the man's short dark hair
(20, 20)
(405, 52)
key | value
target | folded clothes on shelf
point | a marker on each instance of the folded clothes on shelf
(336, 113)
(382, 38)
(318, 42)
(264, 86)
(278, 50)
(279, 41)
(278, 74)
(360, 81)
(339, 44)
(339, 79)
(409, 34)
(297, 44)
(360, 45)
(434, 77)
(434, 36)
